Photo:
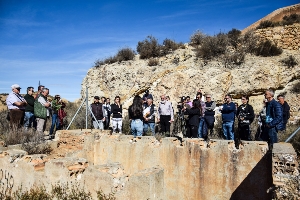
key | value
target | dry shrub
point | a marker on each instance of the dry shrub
(31, 141)
(266, 24)
(290, 19)
(234, 37)
(289, 61)
(153, 62)
(34, 143)
(213, 46)
(125, 54)
(249, 42)
(148, 48)
(79, 121)
(234, 58)
(197, 38)
(267, 48)
(168, 46)
(59, 191)
(296, 88)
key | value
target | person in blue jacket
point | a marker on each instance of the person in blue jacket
(228, 110)
(273, 118)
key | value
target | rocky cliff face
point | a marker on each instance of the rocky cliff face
(181, 74)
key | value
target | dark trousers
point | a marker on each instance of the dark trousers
(16, 118)
(107, 121)
(165, 123)
(244, 132)
(210, 120)
(193, 131)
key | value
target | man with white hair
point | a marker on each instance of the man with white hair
(16, 106)
(41, 111)
(165, 115)
(273, 118)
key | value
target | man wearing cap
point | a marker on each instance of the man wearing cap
(147, 95)
(29, 109)
(149, 116)
(99, 113)
(16, 105)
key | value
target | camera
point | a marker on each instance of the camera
(242, 119)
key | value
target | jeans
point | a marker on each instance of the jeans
(101, 124)
(29, 119)
(136, 127)
(228, 130)
(55, 122)
(117, 124)
(200, 133)
(152, 127)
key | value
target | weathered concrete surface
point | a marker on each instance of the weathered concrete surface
(148, 169)
(194, 169)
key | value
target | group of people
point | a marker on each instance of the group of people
(273, 118)
(32, 111)
(143, 114)
(201, 116)
(102, 112)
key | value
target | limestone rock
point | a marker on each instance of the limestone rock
(253, 77)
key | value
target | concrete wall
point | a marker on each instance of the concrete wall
(146, 169)
(194, 169)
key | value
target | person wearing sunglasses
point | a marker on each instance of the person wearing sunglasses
(16, 106)
(29, 119)
(228, 111)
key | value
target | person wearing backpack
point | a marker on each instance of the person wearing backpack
(245, 115)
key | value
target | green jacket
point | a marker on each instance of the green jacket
(55, 106)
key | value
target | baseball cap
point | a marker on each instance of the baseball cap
(15, 86)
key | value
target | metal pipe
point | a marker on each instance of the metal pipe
(291, 136)
(86, 110)
(76, 114)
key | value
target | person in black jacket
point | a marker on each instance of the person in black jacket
(245, 115)
(99, 113)
(149, 116)
(209, 114)
(285, 111)
(116, 110)
(194, 115)
(29, 119)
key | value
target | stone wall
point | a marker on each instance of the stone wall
(286, 37)
(146, 169)
(285, 171)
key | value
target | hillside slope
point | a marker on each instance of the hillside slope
(276, 15)
(257, 74)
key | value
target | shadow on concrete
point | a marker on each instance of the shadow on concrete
(258, 181)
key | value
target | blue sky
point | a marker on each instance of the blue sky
(57, 41)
